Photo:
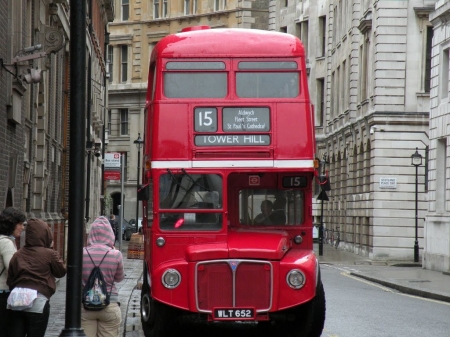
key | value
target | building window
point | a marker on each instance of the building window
(124, 63)
(123, 122)
(187, 7)
(194, 6)
(322, 35)
(220, 5)
(125, 10)
(332, 95)
(304, 36)
(364, 57)
(444, 74)
(155, 9)
(441, 176)
(283, 29)
(320, 114)
(428, 45)
(165, 9)
(110, 62)
(108, 131)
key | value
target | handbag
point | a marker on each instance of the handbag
(21, 298)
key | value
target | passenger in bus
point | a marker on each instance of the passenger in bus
(263, 218)
(278, 216)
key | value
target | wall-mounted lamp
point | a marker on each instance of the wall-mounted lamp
(375, 128)
(308, 67)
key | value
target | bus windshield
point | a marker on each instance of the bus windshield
(271, 207)
(193, 193)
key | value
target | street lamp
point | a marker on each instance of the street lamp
(416, 160)
(138, 143)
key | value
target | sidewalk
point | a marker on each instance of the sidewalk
(404, 276)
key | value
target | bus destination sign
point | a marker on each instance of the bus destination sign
(246, 119)
(232, 140)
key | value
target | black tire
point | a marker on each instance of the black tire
(158, 319)
(319, 310)
(298, 321)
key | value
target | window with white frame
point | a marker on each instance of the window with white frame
(155, 9)
(194, 6)
(110, 62)
(187, 7)
(123, 122)
(428, 47)
(322, 35)
(123, 63)
(125, 10)
(165, 8)
(320, 113)
(220, 5)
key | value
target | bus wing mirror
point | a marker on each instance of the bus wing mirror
(144, 193)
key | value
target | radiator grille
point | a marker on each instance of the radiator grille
(234, 283)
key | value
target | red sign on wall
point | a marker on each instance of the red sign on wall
(112, 175)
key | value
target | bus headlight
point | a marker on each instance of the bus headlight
(171, 278)
(295, 279)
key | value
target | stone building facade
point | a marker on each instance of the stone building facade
(437, 230)
(34, 107)
(137, 27)
(369, 64)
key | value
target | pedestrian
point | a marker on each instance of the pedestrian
(105, 322)
(11, 225)
(114, 226)
(33, 270)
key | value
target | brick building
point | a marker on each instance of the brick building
(34, 107)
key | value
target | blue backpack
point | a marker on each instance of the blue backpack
(95, 294)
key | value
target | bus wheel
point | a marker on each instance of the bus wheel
(299, 321)
(157, 319)
(319, 309)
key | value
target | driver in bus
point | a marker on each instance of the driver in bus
(263, 217)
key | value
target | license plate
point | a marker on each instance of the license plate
(234, 314)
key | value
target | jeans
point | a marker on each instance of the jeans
(29, 324)
(4, 313)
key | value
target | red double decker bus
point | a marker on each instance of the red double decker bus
(230, 159)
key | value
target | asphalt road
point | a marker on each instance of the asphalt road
(358, 308)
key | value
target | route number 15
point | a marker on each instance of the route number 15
(205, 119)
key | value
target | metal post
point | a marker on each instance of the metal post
(416, 241)
(321, 230)
(137, 190)
(138, 143)
(76, 172)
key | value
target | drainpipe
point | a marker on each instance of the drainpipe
(89, 144)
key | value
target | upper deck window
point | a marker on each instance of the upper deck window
(267, 65)
(195, 84)
(267, 83)
(195, 66)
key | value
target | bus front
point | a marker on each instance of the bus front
(230, 155)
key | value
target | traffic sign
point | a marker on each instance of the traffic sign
(112, 175)
(112, 160)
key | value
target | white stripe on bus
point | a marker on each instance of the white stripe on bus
(161, 164)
